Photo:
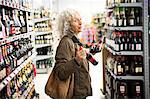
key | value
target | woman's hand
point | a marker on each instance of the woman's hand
(81, 54)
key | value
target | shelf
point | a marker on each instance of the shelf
(124, 52)
(108, 90)
(110, 46)
(41, 45)
(13, 38)
(125, 77)
(41, 57)
(42, 33)
(40, 20)
(13, 5)
(139, 4)
(130, 5)
(127, 28)
(25, 94)
(41, 70)
(16, 71)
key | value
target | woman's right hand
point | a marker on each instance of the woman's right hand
(81, 54)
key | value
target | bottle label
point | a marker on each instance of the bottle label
(122, 89)
(115, 22)
(121, 47)
(125, 46)
(119, 69)
(131, 21)
(136, 70)
(138, 47)
(125, 22)
(138, 89)
(120, 22)
(126, 67)
(117, 47)
(138, 19)
(140, 69)
(133, 47)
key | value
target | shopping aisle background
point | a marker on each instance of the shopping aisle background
(96, 76)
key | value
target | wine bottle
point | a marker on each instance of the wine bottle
(2, 67)
(122, 41)
(132, 17)
(117, 40)
(1, 33)
(139, 68)
(136, 90)
(122, 89)
(138, 16)
(130, 41)
(134, 41)
(120, 16)
(125, 41)
(126, 65)
(118, 68)
(139, 42)
(124, 19)
(117, 17)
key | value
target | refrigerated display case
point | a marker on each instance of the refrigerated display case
(126, 53)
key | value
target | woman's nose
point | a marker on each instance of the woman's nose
(80, 22)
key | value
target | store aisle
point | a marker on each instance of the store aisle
(96, 75)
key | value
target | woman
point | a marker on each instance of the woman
(70, 59)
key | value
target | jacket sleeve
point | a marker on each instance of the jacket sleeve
(65, 63)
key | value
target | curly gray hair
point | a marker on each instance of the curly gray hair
(64, 20)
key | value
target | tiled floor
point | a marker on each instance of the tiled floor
(96, 75)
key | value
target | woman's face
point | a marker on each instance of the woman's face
(76, 24)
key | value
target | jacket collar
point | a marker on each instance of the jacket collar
(70, 34)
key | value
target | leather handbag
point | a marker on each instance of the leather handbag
(59, 89)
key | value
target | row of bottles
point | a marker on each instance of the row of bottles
(13, 54)
(44, 39)
(126, 16)
(12, 22)
(126, 65)
(45, 50)
(17, 3)
(41, 13)
(42, 26)
(110, 2)
(124, 89)
(47, 63)
(19, 84)
(32, 94)
(127, 40)
(30, 22)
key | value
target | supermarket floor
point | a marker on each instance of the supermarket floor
(96, 75)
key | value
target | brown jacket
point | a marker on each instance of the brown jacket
(66, 64)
